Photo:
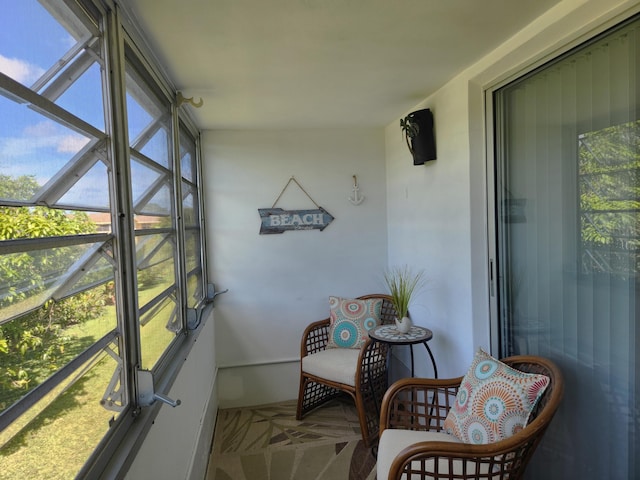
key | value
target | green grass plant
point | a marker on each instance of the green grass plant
(55, 438)
(402, 284)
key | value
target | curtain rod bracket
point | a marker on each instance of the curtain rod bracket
(181, 99)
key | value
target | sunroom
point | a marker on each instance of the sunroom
(139, 139)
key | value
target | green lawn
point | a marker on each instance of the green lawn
(53, 440)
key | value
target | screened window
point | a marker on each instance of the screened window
(154, 207)
(68, 283)
(190, 198)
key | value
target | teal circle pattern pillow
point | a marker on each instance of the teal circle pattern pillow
(494, 401)
(350, 321)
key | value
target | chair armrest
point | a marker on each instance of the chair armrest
(418, 403)
(450, 460)
(372, 362)
(315, 337)
(504, 459)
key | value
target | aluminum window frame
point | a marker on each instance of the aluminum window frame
(121, 38)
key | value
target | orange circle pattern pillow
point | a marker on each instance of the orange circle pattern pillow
(494, 401)
(351, 320)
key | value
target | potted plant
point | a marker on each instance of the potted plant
(402, 284)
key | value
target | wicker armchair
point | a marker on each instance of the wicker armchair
(413, 406)
(365, 368)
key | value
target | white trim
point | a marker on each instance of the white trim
(260, 363)
(200, 460)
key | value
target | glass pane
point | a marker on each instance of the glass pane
(187, 157)
(191, 217)
(102, 221)
(155, 256)
(194, 288)
(152, 181)
(32, 143)
(30, 278)
(160, 205)
(152, 191)
(569, 244)
(156, 274)
(149, 121)
(137, 119)
(63, 65)
(91, 191)
(83, 98)
(25, 56)
(98, 270)
(145, 180)
(158, 328)
(158, 145)
(55, 438)
(56, 300)
(192, 250)
(609, 179)
(190, 211)
(37, 344)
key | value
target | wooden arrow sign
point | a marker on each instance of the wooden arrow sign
(277, 220)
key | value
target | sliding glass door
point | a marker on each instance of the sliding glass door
(567, 205)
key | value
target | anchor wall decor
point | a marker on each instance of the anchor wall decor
(356, 198)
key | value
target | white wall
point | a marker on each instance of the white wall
(428, 211)
(177, 445)
(278, 284)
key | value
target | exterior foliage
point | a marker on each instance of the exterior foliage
(609, 183)
(34, 345)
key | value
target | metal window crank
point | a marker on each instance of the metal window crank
(146, 395)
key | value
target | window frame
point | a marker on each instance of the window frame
(121, 37)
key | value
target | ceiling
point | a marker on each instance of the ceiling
(260, 64)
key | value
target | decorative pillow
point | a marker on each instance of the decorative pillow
(351, 319)
(494, 401)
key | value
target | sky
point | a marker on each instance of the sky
(27, 137)
(31, 42)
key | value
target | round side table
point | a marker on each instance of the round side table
(390, 335)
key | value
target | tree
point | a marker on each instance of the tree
(609, 179)
(33, 345)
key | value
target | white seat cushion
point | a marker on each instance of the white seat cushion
(392, 442)
(335, 364)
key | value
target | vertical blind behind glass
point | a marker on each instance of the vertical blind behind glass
(568, 171)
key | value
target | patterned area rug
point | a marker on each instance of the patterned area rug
(268, 443)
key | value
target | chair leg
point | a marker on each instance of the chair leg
(312, 394)
(368, 401)
(300, 408)
(368, 424)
